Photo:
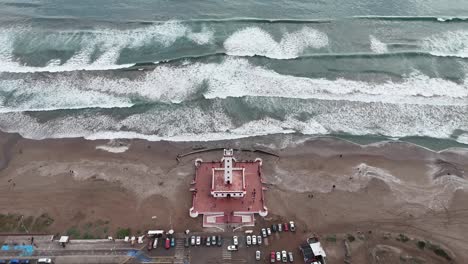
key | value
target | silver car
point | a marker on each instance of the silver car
(284, 256)
(257, 255)
(198, 240)
(259, 240)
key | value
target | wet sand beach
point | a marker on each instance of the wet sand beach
(327, 185)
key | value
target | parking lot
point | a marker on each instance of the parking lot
(181, 253)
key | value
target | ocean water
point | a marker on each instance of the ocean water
(209, 70)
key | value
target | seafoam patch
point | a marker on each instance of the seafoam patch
(112, 149)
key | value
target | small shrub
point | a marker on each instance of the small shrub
(122, 233)
(402, 238)
(88, 236)
(440, 252)
(351, 238)
(331, 238)
(421, 244)
(73, 232)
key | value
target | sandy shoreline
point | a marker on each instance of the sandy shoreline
(395, 187)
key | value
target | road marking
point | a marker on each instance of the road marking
(227, 255)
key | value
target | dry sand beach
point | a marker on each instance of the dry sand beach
(382, 198)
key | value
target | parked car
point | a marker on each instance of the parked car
(173, 242)
(235, 240)
(257, 255)
(264, 232)
(291, 259)
(2, 261)
(213, 240)
(149, 244)
(280, 227)
(187, 242)
(14, 261)
(232, 248)
(167, 244)
(292, 226)
(259, 240)
(192, 241)
(274, 228)
(208, 241)
(25, 261)
(155, 242)
(254, 240)
(198, 241)
(220, 241)
(278, 256)
(284, 256)
(269, 231)
(248, 240)
(44, 261)
(286, 227)
(272, 257)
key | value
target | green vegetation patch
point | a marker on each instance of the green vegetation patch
(402, 238)
(421, 244)
(331, 238)
(122, 233)
(21, 224)
(73, 232)
(440, 252)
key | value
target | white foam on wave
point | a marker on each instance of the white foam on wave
(194, 122)
(235, 77)
(253, 41)
(377, 46)
(463, 138)
(107, 43)
(42, 95)
(450, 43)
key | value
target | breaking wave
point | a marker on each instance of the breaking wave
(93, 50)
(242, 117)
(378, 46)
(253, 41)
(451, 43)
(234, 77)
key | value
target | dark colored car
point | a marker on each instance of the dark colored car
(25, 261)
(208, 241)
(274, 228)
(220, 241)
(14, 261)
(149, 244)
(2, 261)
(187, 242)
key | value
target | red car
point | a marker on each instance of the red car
(272, 257)
(286, 227)
(167, 245)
